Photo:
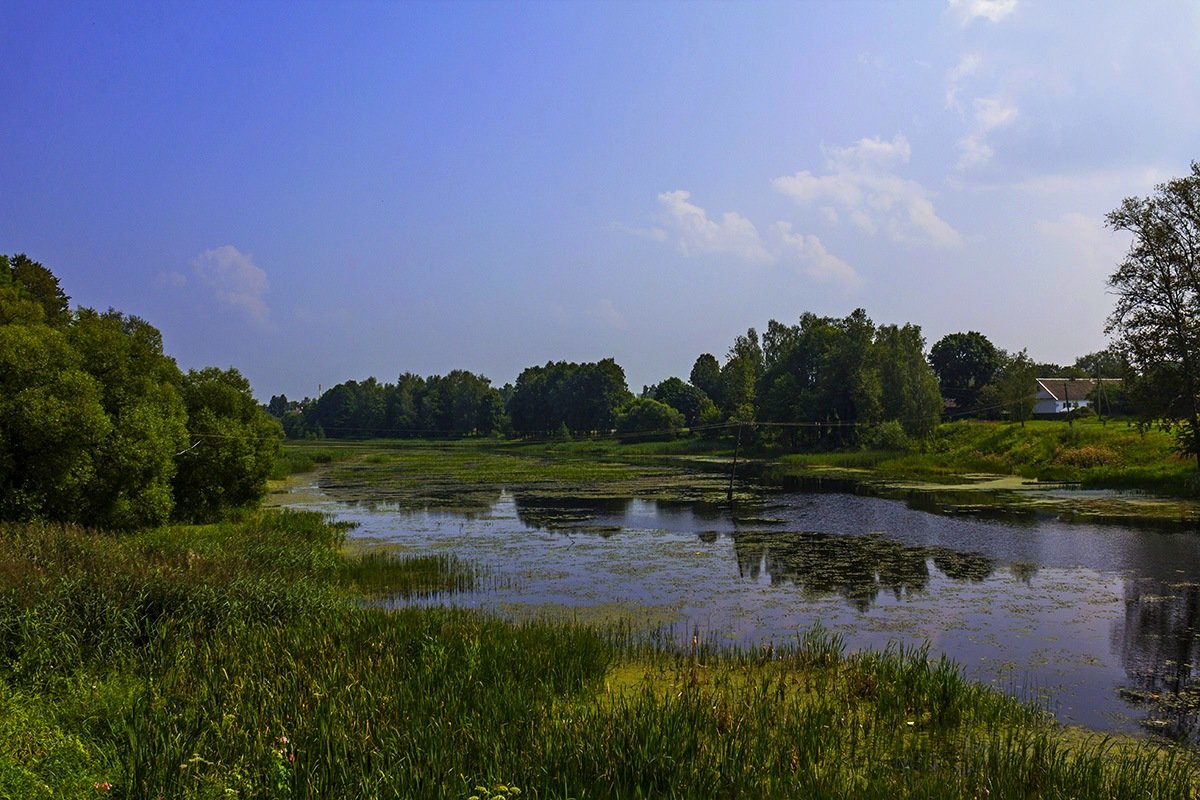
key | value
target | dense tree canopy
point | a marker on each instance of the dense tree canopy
(235, 444)
(685, 398)
(1157, 315)
(832, 377)
(580, 398)
(645, 419)
(95, 419)
(706, 376)
(964, 363)
(458, 404)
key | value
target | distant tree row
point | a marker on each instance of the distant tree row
(823, 382)
(98, 426)
(457, 404)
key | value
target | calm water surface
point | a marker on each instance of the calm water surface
(1099, 621)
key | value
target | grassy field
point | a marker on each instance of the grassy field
(1092, 452)
(1112, 454)
(241, 660)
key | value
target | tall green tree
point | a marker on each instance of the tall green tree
(685, 398)
(964, 363)
(1017, 387)
(234, 444)
(706, 376)
(1156, 320)
(52, 424)
(583, 398)
(740, 375)
(38, 284)
(142, 398)
(645, 419)
(909, 391)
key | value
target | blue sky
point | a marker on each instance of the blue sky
(318, 192)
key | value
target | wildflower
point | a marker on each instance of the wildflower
(102, 786)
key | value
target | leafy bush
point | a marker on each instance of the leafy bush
(646, 420)
(888, 435)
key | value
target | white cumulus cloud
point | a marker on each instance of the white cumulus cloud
(696, 234)
(235, 280)
(861, 181)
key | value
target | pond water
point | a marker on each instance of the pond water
(1098, 622)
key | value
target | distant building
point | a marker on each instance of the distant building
(1060, 395)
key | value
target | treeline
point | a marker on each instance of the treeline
(560, 398)
(99, 426)
(822, 382)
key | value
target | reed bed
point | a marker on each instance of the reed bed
(240, 660)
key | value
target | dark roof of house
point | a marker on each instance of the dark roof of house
(1072, 388)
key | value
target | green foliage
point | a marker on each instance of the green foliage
(964, 363)
(683, 397)
(1017, 387)
(33, 282)
(888, 435)
(52, 426)
(136, 462)
(236, 443)
(909, 387)
(645, 420)
(706, 376)
(1158, 305)
(830, 376)
(458, 404)
(93, 415)
(582, 397)
(740, 374)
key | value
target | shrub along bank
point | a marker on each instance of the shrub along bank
(239, 660)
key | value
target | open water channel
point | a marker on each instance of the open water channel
(1098, 622)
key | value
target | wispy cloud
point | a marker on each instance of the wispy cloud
(862, 183)
(696, 234)
(817, 262)
(967, 66)
(991, 113)
(968, 11)
(235, 280)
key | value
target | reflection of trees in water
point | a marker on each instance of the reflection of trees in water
(470, 504)
(1160, 650)
(855, 567)
(560, 513)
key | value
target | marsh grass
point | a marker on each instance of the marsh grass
(382, 573)
(238, 661)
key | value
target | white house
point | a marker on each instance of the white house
(1060, 395)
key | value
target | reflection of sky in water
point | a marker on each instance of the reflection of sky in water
(1034, 607)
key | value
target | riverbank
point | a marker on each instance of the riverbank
(241, 660)
(1090, 470)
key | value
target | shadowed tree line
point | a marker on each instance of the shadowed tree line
(99, 426)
